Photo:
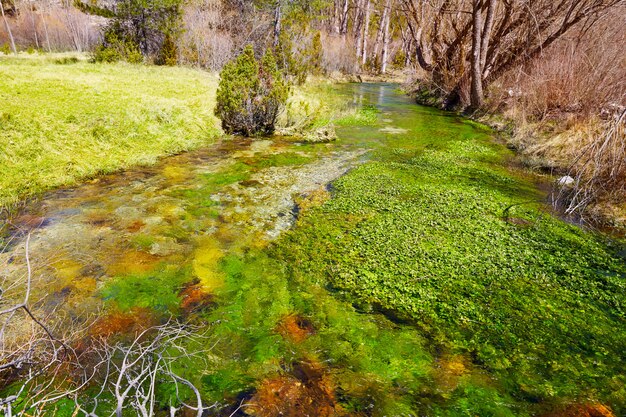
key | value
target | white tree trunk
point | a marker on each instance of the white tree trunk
(6, 23)
(385, 57)
(366, 30)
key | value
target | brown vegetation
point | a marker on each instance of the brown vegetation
(567, 107)
(583, 410)
(48, 26)
(307, 391)
(194, 297)
(117, 323)
(295, 328)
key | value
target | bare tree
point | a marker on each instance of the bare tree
(512, 33)
(386, 37)
(8, 28)
(477, 41)
(44, 368)
(368, 12)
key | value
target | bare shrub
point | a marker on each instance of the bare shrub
(46, 358)
(206, 42)
(51, 26)
(581, 75)
(598, 173)
(338, 54)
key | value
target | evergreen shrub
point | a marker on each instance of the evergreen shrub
(251, 94)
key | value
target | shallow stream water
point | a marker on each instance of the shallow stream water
(187, 212)
(191, 208)
(192, 236)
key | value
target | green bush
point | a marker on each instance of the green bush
(5, 49)
(251, 94)
(115, 49)
(138, 29)
(67, 60)
(168, 55)
(315, 54)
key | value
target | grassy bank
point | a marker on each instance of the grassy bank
(62, 121)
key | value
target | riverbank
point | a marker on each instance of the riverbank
(64, 120)
(586, 149)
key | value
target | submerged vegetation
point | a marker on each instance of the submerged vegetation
(430, 279)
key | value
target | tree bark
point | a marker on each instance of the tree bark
(344, 18)
(277, 22)
(486, 34)
(385, 54)
(381, 30)
(358, 30)
(6, 23)
(476, 95)
(368, 7)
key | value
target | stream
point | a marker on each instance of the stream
(201, 237)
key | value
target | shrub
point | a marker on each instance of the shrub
(169, 52)
(251, 94)
(139, 27)
(67, 60)
(316, 54)
(114, 49)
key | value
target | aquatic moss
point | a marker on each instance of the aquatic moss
(158, 290)
(424, 235)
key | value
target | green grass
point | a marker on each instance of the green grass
(62, 121)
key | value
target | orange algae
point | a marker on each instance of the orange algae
(295, 328)
(307, 391)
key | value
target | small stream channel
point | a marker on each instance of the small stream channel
(187, 212)
(233, 195)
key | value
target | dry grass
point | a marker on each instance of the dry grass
(567, 108)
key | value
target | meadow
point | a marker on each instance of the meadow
(64, 119)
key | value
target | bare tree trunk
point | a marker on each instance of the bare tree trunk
(33, 23)
(358, 29)
(385, 57)
(476, 95)
(6, 23)
(277, 21)
(344, 18)
(366, 30)
(45, 31)
(381, 30)
(486, 34)
(336, 18)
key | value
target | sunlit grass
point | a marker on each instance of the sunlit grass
(62, 121)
